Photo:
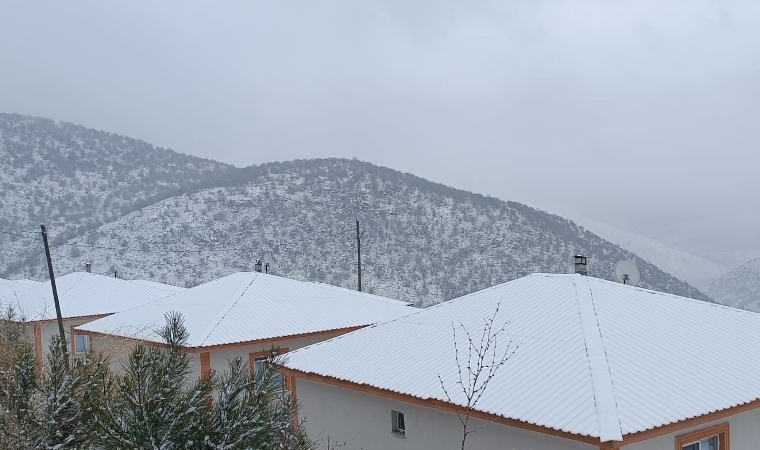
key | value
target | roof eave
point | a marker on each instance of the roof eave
(207, 348)
(445, 406)
(685, 424)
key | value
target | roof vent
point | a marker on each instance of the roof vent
(257, 267)
(581, 265)
(88, 267)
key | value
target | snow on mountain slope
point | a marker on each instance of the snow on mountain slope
(693, 269)
(74, 178)
(421, 241)
(739, 288)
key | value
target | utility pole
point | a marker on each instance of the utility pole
(55, 290)
(359, 253)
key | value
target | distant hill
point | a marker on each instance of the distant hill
(151, 213)
(75, 178)
(739, 288)
(693, 269)
(421, 241)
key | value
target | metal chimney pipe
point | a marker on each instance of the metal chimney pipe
(581, 265)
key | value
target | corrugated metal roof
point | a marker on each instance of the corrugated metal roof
(248, 306)
(8, 287)
(155, 284)
(594, 358)
(84, 294)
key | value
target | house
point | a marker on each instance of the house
(83, 297)
(245, 315)
(591, 365)
(8, 287)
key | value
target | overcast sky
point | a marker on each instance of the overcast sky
(637, 112)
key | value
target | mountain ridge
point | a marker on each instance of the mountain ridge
(695, 270)
(74, 178)
(739, 288)
(423, 241)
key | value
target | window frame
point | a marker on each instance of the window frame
(252, 357)
(395, 429)
(721, 430)
(88, 344)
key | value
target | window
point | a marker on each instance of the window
(713, 438)
(397, 423)
(81, 344)
(711, 443)
(258, 362)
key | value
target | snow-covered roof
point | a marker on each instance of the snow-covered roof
(593, 357)
(250, 306)
(156, 284)
(84, 294)
(8, 287)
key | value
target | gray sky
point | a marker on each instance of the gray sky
(636, 112)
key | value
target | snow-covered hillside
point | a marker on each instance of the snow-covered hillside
(421, 241)
(697, 271)
(75, 178)
(739, 288)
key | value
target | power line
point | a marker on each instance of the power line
(16, 233)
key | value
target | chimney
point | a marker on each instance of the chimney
(257, 267)
(581, 266)
(88, 267)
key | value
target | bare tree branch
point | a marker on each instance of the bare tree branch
(484, 358)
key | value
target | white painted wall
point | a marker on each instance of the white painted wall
(363, 421)
(744, 429)
(50, 329)
(118, 349)
(220, 357)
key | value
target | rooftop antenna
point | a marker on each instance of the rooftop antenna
(627, 272)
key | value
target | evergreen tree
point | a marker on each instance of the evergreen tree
(49, 408)
(152, 406)
(253, 412)
(72, 395)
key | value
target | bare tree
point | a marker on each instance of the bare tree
(476, 370)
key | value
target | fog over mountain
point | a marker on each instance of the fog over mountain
(739, 288)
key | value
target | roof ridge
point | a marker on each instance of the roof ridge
(690, 300)
(81, 277)
(601, 377)
(226, 309)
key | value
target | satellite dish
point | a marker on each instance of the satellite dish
(627, 272)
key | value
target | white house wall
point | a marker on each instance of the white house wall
(118, 349)
(363, 421)
(743, 428)
(220, 357)
(50, 329)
